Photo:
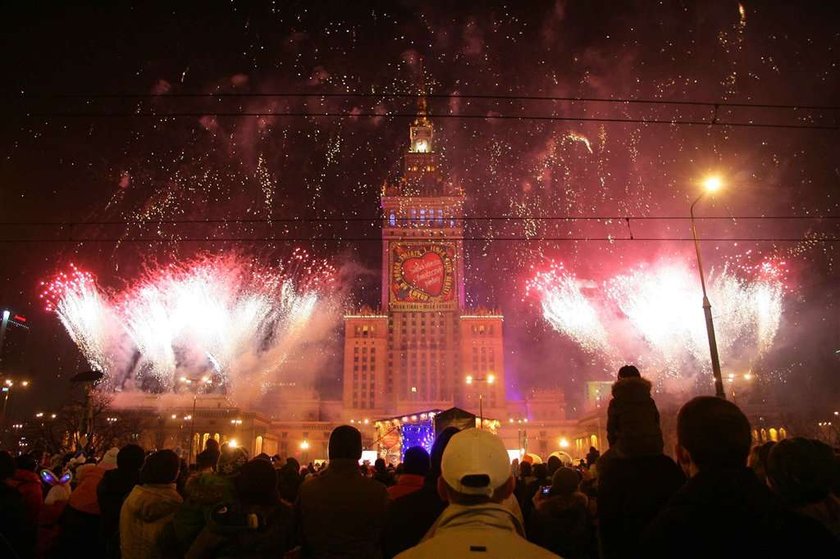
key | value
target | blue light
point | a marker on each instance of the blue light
(417, 434)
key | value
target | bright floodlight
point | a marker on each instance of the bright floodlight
(712, 183)
(491, 378)
(469, 379)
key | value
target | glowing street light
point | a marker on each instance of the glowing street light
(711, 185)
(489, 379)
(304, 445)
(206, 381)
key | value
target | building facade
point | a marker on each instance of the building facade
(423, 348)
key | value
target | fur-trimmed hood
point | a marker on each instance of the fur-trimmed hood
(632, 388)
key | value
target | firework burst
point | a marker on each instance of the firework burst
(651, 315)
(226, 316)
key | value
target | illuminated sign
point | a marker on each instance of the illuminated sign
(423, 273)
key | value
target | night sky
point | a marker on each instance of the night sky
(107, 117)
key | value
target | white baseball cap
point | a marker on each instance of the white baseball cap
(480, 457)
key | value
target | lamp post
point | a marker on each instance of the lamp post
(6, 388)
(710, 185)
(489, 379)
(199, 381)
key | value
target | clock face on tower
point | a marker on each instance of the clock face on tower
(422, 275)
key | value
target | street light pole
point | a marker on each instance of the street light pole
(707, 309)
(489, 379)
(190, 381)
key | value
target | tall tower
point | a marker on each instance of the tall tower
(422, 349)
(422, 279)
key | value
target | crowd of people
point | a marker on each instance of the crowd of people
(721, 497)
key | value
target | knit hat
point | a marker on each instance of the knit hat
(565, 481)
(475, 462)
(231, 461)
(416, 461)
(257, 482)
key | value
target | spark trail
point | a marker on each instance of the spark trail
(227, 316)
(652, 316)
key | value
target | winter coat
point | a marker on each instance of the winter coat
(406, 484)
(79, 530)
(31, 491)
(631, 492)
(490, 531)
(633, 420)
(110, 495)
(246, 531)
(144, 515)
(84, 497)
(730, 513)
(202, 492)
(564, 525)
(341, 513)
(410, 517)
(826, 512)
(17, 535)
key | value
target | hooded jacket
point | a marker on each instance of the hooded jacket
(145, 513)
(633, 420)
(83, 497)
(111, 493)
(564, 525)
(31, 491)
(406, 484)
(488, 531)
(202, 493)
(730, 513)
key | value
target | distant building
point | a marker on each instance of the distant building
(14, 333)
(423, 348)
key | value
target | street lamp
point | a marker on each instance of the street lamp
(199, 382)
(6, 388)
(711, 184)
(489, 379)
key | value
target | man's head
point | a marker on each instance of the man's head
(712, 434)
(130, 457)
(628, 371)
(257, 483)
(160, 467)
(212, 444)
(345, 443)
(801, 470)
(438, 447)
(7, 466)
(475, 469)
(554, 464)
(206, 460)
(416, 461)
(565, 481)
(27, 462)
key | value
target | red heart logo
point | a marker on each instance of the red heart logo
(425, 273)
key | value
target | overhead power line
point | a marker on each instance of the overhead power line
(378, 219)
(445, 96)
(339, 239)
(713, 119)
